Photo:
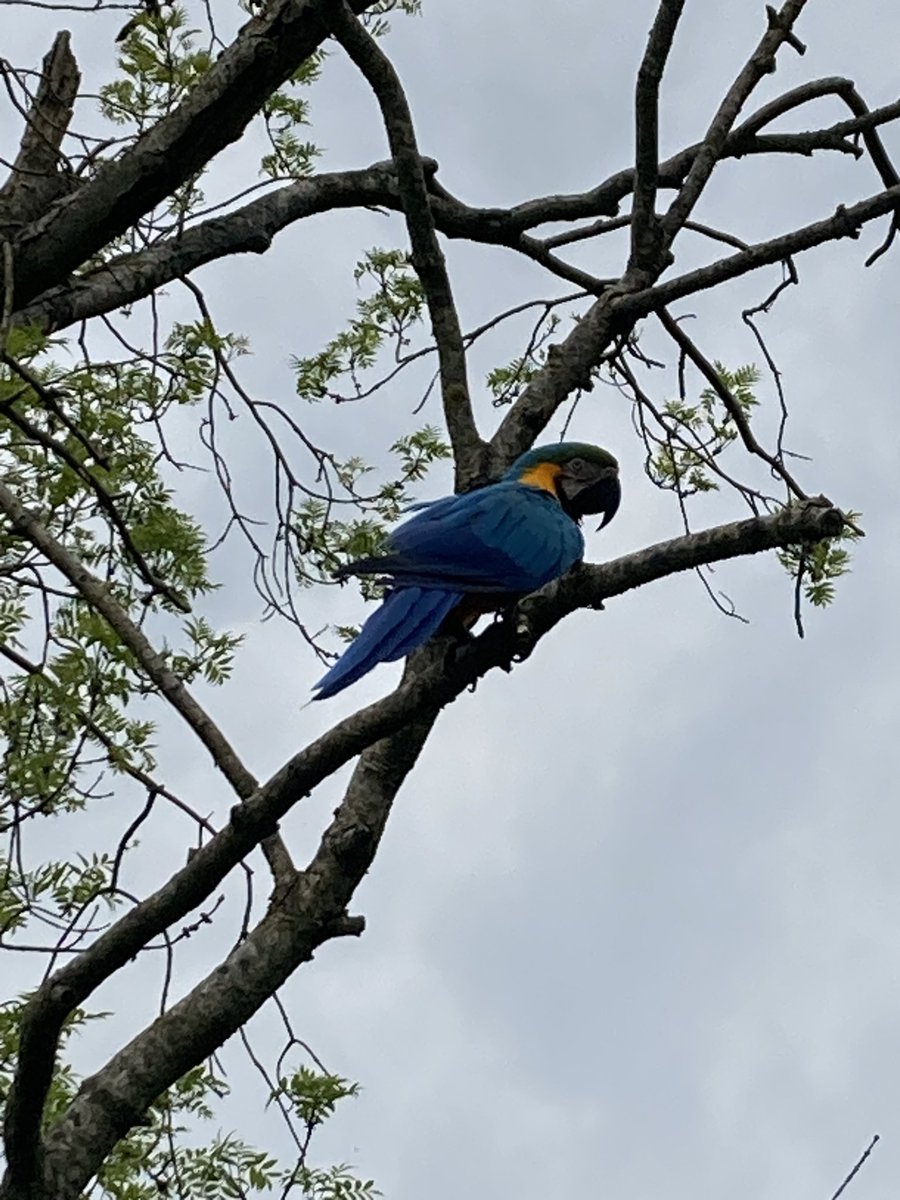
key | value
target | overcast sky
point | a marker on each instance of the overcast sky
(634, 929)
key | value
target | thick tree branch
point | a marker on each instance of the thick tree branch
(248, 229)
(265, 53)
(353, 836)
(36, 180)
(251, 228)
(427, 256)
(644, 233)
(311, 912)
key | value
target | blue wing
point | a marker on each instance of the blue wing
(406, 619)
(503, 539)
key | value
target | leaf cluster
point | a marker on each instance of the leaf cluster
(692, 435)
(159, 63)
(327, 541)
(817, 568)
(384, 316)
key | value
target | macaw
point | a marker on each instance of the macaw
(479, 551)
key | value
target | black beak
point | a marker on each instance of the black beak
(600, 494)
(606, 496)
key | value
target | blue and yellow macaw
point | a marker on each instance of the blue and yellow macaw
(479, 551)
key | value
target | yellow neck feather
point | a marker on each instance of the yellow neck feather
(544, 475)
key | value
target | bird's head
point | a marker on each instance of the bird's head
(584, 478)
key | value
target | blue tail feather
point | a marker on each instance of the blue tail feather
(406, 619)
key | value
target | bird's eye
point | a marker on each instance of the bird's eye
(576, 464)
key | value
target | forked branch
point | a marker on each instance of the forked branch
(760, 63)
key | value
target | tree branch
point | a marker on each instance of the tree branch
(312, 912)
(427, 257)
(36, 181)
(845, 222)
(760, 63)
(644, 232)
(569, 364)
(354, 835)
(265, 53)
(251, 228)
(865, 120)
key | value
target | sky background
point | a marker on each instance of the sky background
(635, 924)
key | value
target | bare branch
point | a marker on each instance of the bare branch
(857, 1166)
(846, 222)
(760, 63)
(36, 180)
(644, 233)
(536, 249)
(427, 257)
(598, 228)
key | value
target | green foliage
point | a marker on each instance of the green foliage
(695, 434)
(155, 1158)
(77, 447)
(159, 63)
(61, 889)
(385, 315)
(336, 1183)
(374, 18)
(284, 113)
(313, 1095)
(506, 383)
(326, 541)
(682, 454)
(818, 567)
(162, 1154)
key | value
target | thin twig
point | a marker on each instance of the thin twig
(858, 1165)
(737, 414)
